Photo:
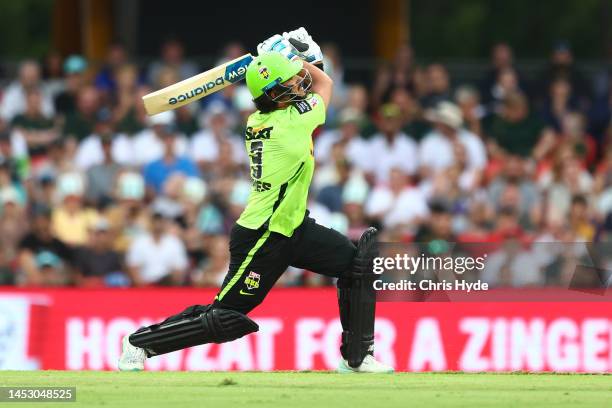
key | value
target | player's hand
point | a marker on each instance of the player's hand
(280, 44)
(308, 50)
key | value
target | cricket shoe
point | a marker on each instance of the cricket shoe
(368, 365)
(132, 357)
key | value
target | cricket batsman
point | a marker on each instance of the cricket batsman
(291, 94)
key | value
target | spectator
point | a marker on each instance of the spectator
(398, 149)
(81, 122)
(157, 257)
(438, 86)
(66, 101)
(172, 56)
(397, 205)
(215, 267)
(13, 227)
(437, 151)
(206, 144)
(515, 130)
(101, 177)
(35, 128)
(128, 216)
(105, 80)
(562, 66)
(468, 100)
(157, 172)
(559, 103)
(147, 145)
(347, 135)
(71, 220)
(124, 114)
(43, 258)
(97, 264)
(14, 98)
(502, 60)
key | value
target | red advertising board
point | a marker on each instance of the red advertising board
(299, 330)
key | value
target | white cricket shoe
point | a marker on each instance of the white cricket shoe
(132, 357)
(368, 365)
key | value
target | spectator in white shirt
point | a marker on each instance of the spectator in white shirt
(147, 146)
(157, 257)
(14, 98)
(391, 148)
(347, 134)
(206, 144)
(438, 150)
(397, 204)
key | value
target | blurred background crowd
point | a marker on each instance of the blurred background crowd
(93, 192)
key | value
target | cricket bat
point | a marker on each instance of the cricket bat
(198, 86)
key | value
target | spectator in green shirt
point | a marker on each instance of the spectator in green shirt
(515, 130)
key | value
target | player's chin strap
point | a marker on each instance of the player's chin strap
(198, 324)
(357, 302)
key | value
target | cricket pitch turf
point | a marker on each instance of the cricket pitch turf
(317, 389)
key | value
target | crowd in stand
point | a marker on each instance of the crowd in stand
(93, 192)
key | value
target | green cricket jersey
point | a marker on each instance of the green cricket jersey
(280, 150)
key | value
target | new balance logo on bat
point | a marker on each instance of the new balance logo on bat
(233, 73)
(196, 91)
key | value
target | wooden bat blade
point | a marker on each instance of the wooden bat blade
(197, 87)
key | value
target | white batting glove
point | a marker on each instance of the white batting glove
(312, 53)
(280, 44)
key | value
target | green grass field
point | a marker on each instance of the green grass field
(319, 389)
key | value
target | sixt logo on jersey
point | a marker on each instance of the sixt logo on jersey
(237, 70)
(204, 88)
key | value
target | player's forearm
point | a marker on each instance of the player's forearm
(322, 84)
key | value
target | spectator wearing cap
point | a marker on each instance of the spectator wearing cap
(97, 264)
(128, 216)
(216, 130)
(14, 97)
(348, 137)
(33, 128)
(157, 257)
(71, 220)
(398, 149)
(158, 171)
(40, 249)
(74, 69)
(147, 145)
(438, 150)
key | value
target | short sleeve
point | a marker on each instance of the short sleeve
(310, 112)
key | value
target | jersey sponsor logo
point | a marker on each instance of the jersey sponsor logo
(252, 280)
(242, 292)
(261, 186)
(258, 133)
(302, 107)
(313, 101)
